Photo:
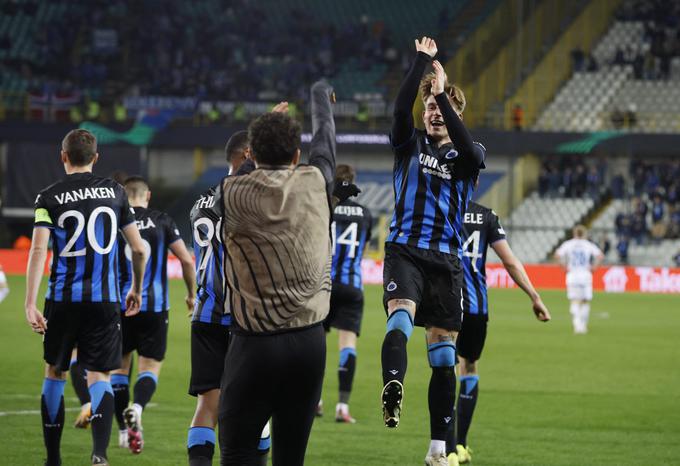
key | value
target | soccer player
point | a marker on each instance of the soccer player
(351, 229)
(433, 182)
(579, 257)
(146, 332)
(482, 229)
(84, 214)
(209, 322)
(275, 227)
(4, 287)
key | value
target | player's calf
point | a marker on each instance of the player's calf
(394, 361)
(441, 393)
(52, 412)
(101, 395)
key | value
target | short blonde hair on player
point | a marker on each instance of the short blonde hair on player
(580, 231)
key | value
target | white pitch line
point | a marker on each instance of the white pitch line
(25, 412)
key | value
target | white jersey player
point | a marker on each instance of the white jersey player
(4, 287)
(579, 257)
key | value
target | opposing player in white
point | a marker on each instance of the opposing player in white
(579, 257)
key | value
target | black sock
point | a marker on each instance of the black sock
(346, 368)
(467, 400)
(201, 455)
(52, 411)
(394, 358)
(144, 388)
(79, 382)
(121, 394)
(201, 446)
(101, 395)
(451, 436)
(441, 401)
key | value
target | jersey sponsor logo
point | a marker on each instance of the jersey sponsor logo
(85, 193)
(431, 166)
(349, 210)
(615, 280)
(145, 224)
(477, 219)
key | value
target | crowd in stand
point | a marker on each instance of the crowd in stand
(661, 40)
(651, 191)
(572, 177)
(214, 50)
(653, 210)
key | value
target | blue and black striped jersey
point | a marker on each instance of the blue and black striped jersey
(351, 230)
(206, 221)
(158, 232)
(430, 198)
(85, 213)
(481, 228)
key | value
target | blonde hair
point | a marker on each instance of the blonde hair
(580, 231)
(454, 92)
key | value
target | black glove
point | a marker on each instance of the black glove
(344, 190)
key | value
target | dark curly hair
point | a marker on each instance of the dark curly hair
(274, 138)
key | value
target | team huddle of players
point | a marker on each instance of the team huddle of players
(109, 274)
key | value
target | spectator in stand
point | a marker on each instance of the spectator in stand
(674, 226)
(639, 228)
(594, 182)
(617, 118)
(544, 180)
(580, 181)
(618, 186)
(567, 182)
(676, 260)
(622, 249)
(604, 244)
(659, 227)
(517, 117)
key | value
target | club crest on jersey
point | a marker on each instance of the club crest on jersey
(391, 286)
(431, 166)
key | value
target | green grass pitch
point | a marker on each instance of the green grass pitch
(547, 397)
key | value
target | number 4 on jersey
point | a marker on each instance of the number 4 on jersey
(473, 253)
(347, 238)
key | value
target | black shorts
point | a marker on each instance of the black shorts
(146, 333)
(432, 279)
(93, 327)
(347, 308)
(209, 344)
(470, 341)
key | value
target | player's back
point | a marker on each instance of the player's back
(578, 254)
(351, 230)
(85, 213)
(206, 220)
(481, 228)
(158, 231)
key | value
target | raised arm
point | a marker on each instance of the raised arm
(322, 151)
(402, 122)
(519, 275)
(460, 137)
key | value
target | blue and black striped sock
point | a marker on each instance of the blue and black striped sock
(52, 411)
(467, 400)
(144, 388)
(201, 446)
